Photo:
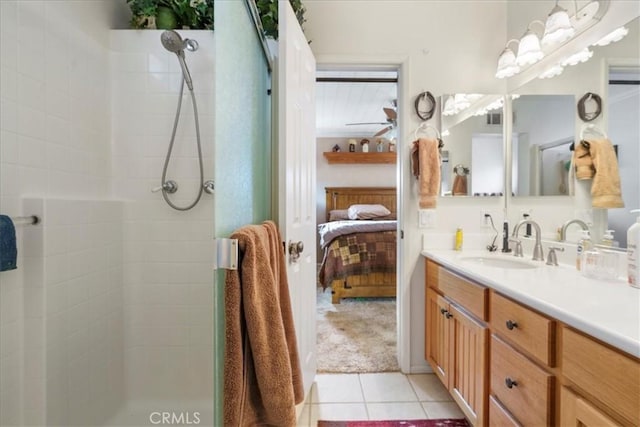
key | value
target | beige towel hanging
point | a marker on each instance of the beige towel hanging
(605, 189)
(425, 151)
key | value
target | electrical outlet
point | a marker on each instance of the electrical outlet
(585, 215)
(427, 218)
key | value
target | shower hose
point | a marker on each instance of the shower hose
(173, 138)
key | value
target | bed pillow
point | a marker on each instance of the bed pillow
(338, 214)
(367, 211)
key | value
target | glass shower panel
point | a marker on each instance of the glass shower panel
(243, 148)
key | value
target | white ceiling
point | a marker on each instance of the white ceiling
(339, 103)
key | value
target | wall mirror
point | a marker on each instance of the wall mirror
(613, 72)
(473, 162)
(543, 129)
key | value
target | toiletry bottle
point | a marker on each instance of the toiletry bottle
(458, 245)
(584, 244)
(527, 230)
(633, 252)
(505, 237)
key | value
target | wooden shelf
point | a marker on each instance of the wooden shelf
(359, 157)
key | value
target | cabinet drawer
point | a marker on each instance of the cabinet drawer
(523, 388)
(498, 416)
(467, 294)
(609, 376)
(523, 327)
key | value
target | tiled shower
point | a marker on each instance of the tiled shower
(109, 315)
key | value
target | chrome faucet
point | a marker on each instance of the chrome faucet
(563, 230)
(538, 253)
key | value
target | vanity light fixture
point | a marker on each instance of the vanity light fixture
(558, 27)
(614, 36)
(552, 71)
(460, 102)
(578, 57)
(449, 107)
(507, 66)
(529, 51)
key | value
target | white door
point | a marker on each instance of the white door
(297, 179)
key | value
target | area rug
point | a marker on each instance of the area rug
(356, 336)
(450, 422)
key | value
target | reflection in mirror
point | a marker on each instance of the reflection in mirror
(543, 134)
(472, 133)
(624, 131)
(619, 60)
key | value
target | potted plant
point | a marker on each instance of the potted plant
(170, 14)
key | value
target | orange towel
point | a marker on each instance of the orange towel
(262, 377)
(459, 185)
(605, 189)
(427, 170)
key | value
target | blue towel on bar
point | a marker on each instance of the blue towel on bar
(8, 249)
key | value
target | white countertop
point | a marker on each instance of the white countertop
(607, 310)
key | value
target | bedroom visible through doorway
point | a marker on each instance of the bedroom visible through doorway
(356, 128)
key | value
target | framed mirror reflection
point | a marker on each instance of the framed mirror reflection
(473, 159)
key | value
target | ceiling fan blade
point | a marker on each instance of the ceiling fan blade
(369, 123)
(390, 112)
(383, 131)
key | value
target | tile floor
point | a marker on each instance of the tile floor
(380, 396)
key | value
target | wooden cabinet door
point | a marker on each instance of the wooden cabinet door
(469, 340)
(578, 412)
(437, 346)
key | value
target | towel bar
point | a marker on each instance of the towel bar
(225, 254)
(25, 220)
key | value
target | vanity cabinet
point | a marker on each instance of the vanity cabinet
(457, 341)
(522, 349)
(506, 364)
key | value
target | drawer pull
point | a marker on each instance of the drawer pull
(510, 383)
(448, 315)
(443, 311)
(511, 325)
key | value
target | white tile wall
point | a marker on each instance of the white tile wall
(83, 310)
(54, 142)
(168, 278)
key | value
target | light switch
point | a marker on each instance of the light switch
(426, 218)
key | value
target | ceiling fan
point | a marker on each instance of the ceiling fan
(391, 122)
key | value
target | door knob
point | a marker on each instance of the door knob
(295, 249)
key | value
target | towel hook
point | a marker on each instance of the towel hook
(424, 126)
(590, 127)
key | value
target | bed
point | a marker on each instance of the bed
(359, 256)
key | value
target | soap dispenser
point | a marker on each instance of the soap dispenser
(633, 252)
(584, 244)
(607, 239)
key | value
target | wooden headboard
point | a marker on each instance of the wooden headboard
(343, 197)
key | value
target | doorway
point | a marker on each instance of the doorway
(354, 105)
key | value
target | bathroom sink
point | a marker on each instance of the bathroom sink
(489, 261)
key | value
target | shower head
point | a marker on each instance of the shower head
(172, 41)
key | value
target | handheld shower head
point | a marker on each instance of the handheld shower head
(172, 41)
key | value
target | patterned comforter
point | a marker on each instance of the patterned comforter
(358, 253)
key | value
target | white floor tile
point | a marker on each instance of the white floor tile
(442, 410)
(387, 387)
(429, 388)
(396, 411)
(337, 388)
(338, 412)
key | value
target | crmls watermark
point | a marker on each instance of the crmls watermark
(175, 418)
